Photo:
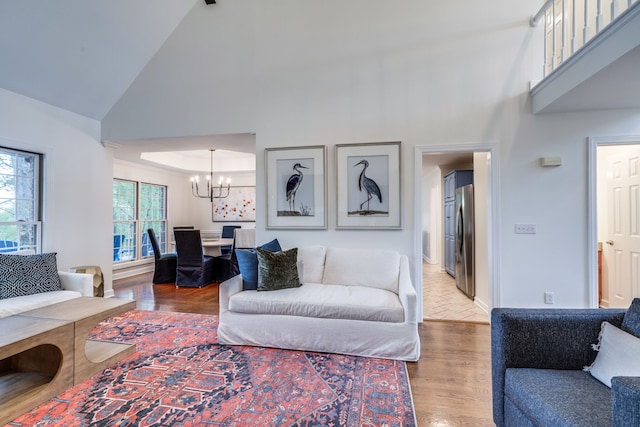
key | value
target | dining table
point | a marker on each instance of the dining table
(212, 247)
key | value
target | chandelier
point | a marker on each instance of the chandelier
(213, 192)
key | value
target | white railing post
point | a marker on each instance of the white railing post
(585, 30)
(599, 17)
(573, 27)
(615, 9)
(553, 38)
(563, 33)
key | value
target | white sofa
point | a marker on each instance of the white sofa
(352, 301)
(74, 285)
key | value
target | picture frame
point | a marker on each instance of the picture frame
(296, 187)
(239, 206)
(369, 191)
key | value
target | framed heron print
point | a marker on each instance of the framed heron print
(296, 187)
(368, 185)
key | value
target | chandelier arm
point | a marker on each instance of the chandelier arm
(211, 189)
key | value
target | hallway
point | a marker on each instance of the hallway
(444, 301)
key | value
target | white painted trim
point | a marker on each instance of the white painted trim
(494, 215)
(417, 237)
(592, 208)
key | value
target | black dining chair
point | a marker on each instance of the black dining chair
(182, 227)
(165, 264)
(227, 233)
(227, 265)
(194, 269)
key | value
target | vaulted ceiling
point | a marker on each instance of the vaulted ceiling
(81, 55)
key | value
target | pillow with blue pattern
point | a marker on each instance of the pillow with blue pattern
(22, 275)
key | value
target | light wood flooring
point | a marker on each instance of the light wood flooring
(442, 300)
(451, 384)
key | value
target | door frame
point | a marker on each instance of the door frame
(494, 215)
(592, 206)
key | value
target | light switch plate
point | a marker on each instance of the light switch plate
(525, 229)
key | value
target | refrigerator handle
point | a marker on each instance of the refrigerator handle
(460, 230)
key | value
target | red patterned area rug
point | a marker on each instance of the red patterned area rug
(180, 376)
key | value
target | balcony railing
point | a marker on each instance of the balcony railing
(571, 24)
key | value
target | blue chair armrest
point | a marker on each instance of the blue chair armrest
(625, 401)
(544, 339)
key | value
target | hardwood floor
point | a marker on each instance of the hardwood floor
(451, 384)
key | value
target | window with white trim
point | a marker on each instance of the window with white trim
(136, 208)
(20, 196)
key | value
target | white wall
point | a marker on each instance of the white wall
(421, 72)
(432, 215)
(77, 176)
(481, 210)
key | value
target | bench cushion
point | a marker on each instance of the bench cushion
(559, 397)
(16, 305)
(319, 300)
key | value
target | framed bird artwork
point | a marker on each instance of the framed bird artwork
(296, 187)
(368, 185)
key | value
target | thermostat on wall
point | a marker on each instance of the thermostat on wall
(550, 161)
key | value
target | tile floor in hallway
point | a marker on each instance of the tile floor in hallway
(444, 301)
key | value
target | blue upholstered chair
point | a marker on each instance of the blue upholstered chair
(537, 362)
(8, 246)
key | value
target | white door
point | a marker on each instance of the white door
(622, 247)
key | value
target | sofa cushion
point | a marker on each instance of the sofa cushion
(631, 320)
(551, 397)
(277, 270)
(362, 267)
(28, 274)
(248, 263)
(320, 300)
(618, 355)
(311, 263)
(11, 306)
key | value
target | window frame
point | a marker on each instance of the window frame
(132, 245)
(31, 235)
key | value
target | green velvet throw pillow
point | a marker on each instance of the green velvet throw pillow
(277, 270)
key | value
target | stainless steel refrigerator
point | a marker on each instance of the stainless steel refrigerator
(465, 277)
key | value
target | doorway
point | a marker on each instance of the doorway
(617, 209)
(431, 164)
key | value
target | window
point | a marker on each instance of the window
(20, 221)
(136, 208)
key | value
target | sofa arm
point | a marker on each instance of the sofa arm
(406, 292)
(625, 401)
(79, 282)
(227, 289)
(542, 338)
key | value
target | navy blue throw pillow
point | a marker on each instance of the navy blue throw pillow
(248, 263)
